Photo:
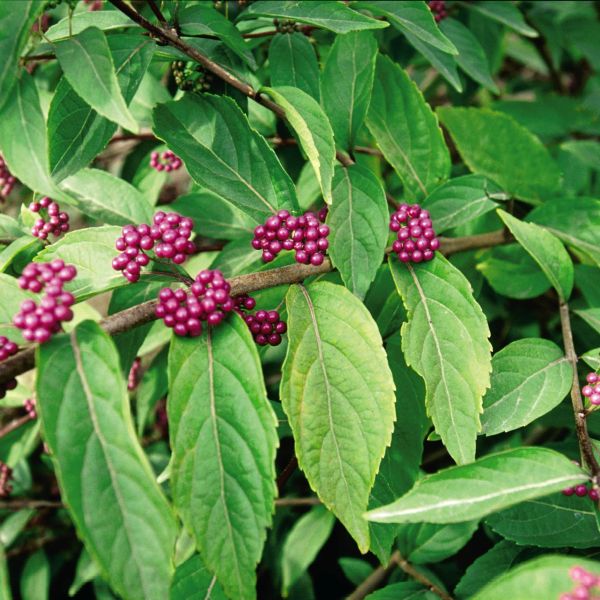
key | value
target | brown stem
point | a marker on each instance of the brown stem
(314, 501)
(128, 137)
(48, 56)
(585, 444)
(379, 575)
(7, 241)
(169, 37)
(286, 473)
(259, 34)
(20, 503)
(15, 424)
(157, 13)
(242, 284)
(283, 142)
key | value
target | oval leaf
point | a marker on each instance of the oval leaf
(529, 378)
(338, 393)
(224, 155)
(358, 219)
(446, 341)
(546, 250)
(347, 82)
(105, 479)
(223, 437)
(307, 119)
(87, 64)
(406, 130)
(193, 580)
(491, 483)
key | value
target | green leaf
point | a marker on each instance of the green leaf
(513, 273)
(23, 142)
(547, 251)
(411, 17)
(495, 145)
(406, 130)
(506, 13)
(5, 591)
(538, 579)
(347, 83)
(224, 155)
(406, 590)
(587, 151)
(88, 66)
(214, 217)
(461, 200)
(107, 198)
(105, 20)
(592, 358)
(489, 484)
(205, 20)
(443, 62)
(358, 219)
(16, 20)
(303, 543)
(555, 521)
(333, 16)
(494, 562)
(315, 136)
(76, 132)
(12, 297)
(446, 341)
(13, 525)
(471, 57)
(423, 543)
(591, 316)
(222, 432)
(293, 63)
(9, 227)
(22, 245)
(338, 393)
(35, 578)
(529, 378)
(85, 571)
(104, 477)
(193, 580)
(574, 221)
(152, 388)
(91, 250)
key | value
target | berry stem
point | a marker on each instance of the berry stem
(585, 445)
(243, 284)
(14, 424)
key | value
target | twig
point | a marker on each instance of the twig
(379, 575)
(314, 501)
(585, 444)
(157, 13)
(47, 56)
(169, 37)
(21, 503)
(129, 137)
(283, 142)
(242, 284)
(7, 241)
(286, 473)
(15, 424)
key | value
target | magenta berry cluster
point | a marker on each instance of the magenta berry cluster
(591, 390)
(133, 378)
(438, 8)
(416, 241)
(266, 327)
(29, 406)
(306, 235)
(586, 582)
(582, 490)
(7, 181)
(207, 300)
(7, 348)
(40, 322)
(168, 237)
(166, 161)
(5, 477)
(93, 5)
(57, 223)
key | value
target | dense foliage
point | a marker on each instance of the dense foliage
(299, 299)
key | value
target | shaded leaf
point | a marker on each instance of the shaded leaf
(193, 580)
(506, 13)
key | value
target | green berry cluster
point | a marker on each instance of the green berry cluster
(190, 77)
(285, 25)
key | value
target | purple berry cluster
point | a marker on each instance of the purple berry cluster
(57, 223)
(169, 237)
(29, 406)
(582, 490)
(438, 8)
(587, 584)
(306, 235)
(7, 348)
(93, 5)
(208, 300)
(7, 181)
(266, 326)
(5, 477)
(39, 323)
(167, 161)
(416, 241)
(133, 378)
(592, 389)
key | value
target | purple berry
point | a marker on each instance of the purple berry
(415, 240)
